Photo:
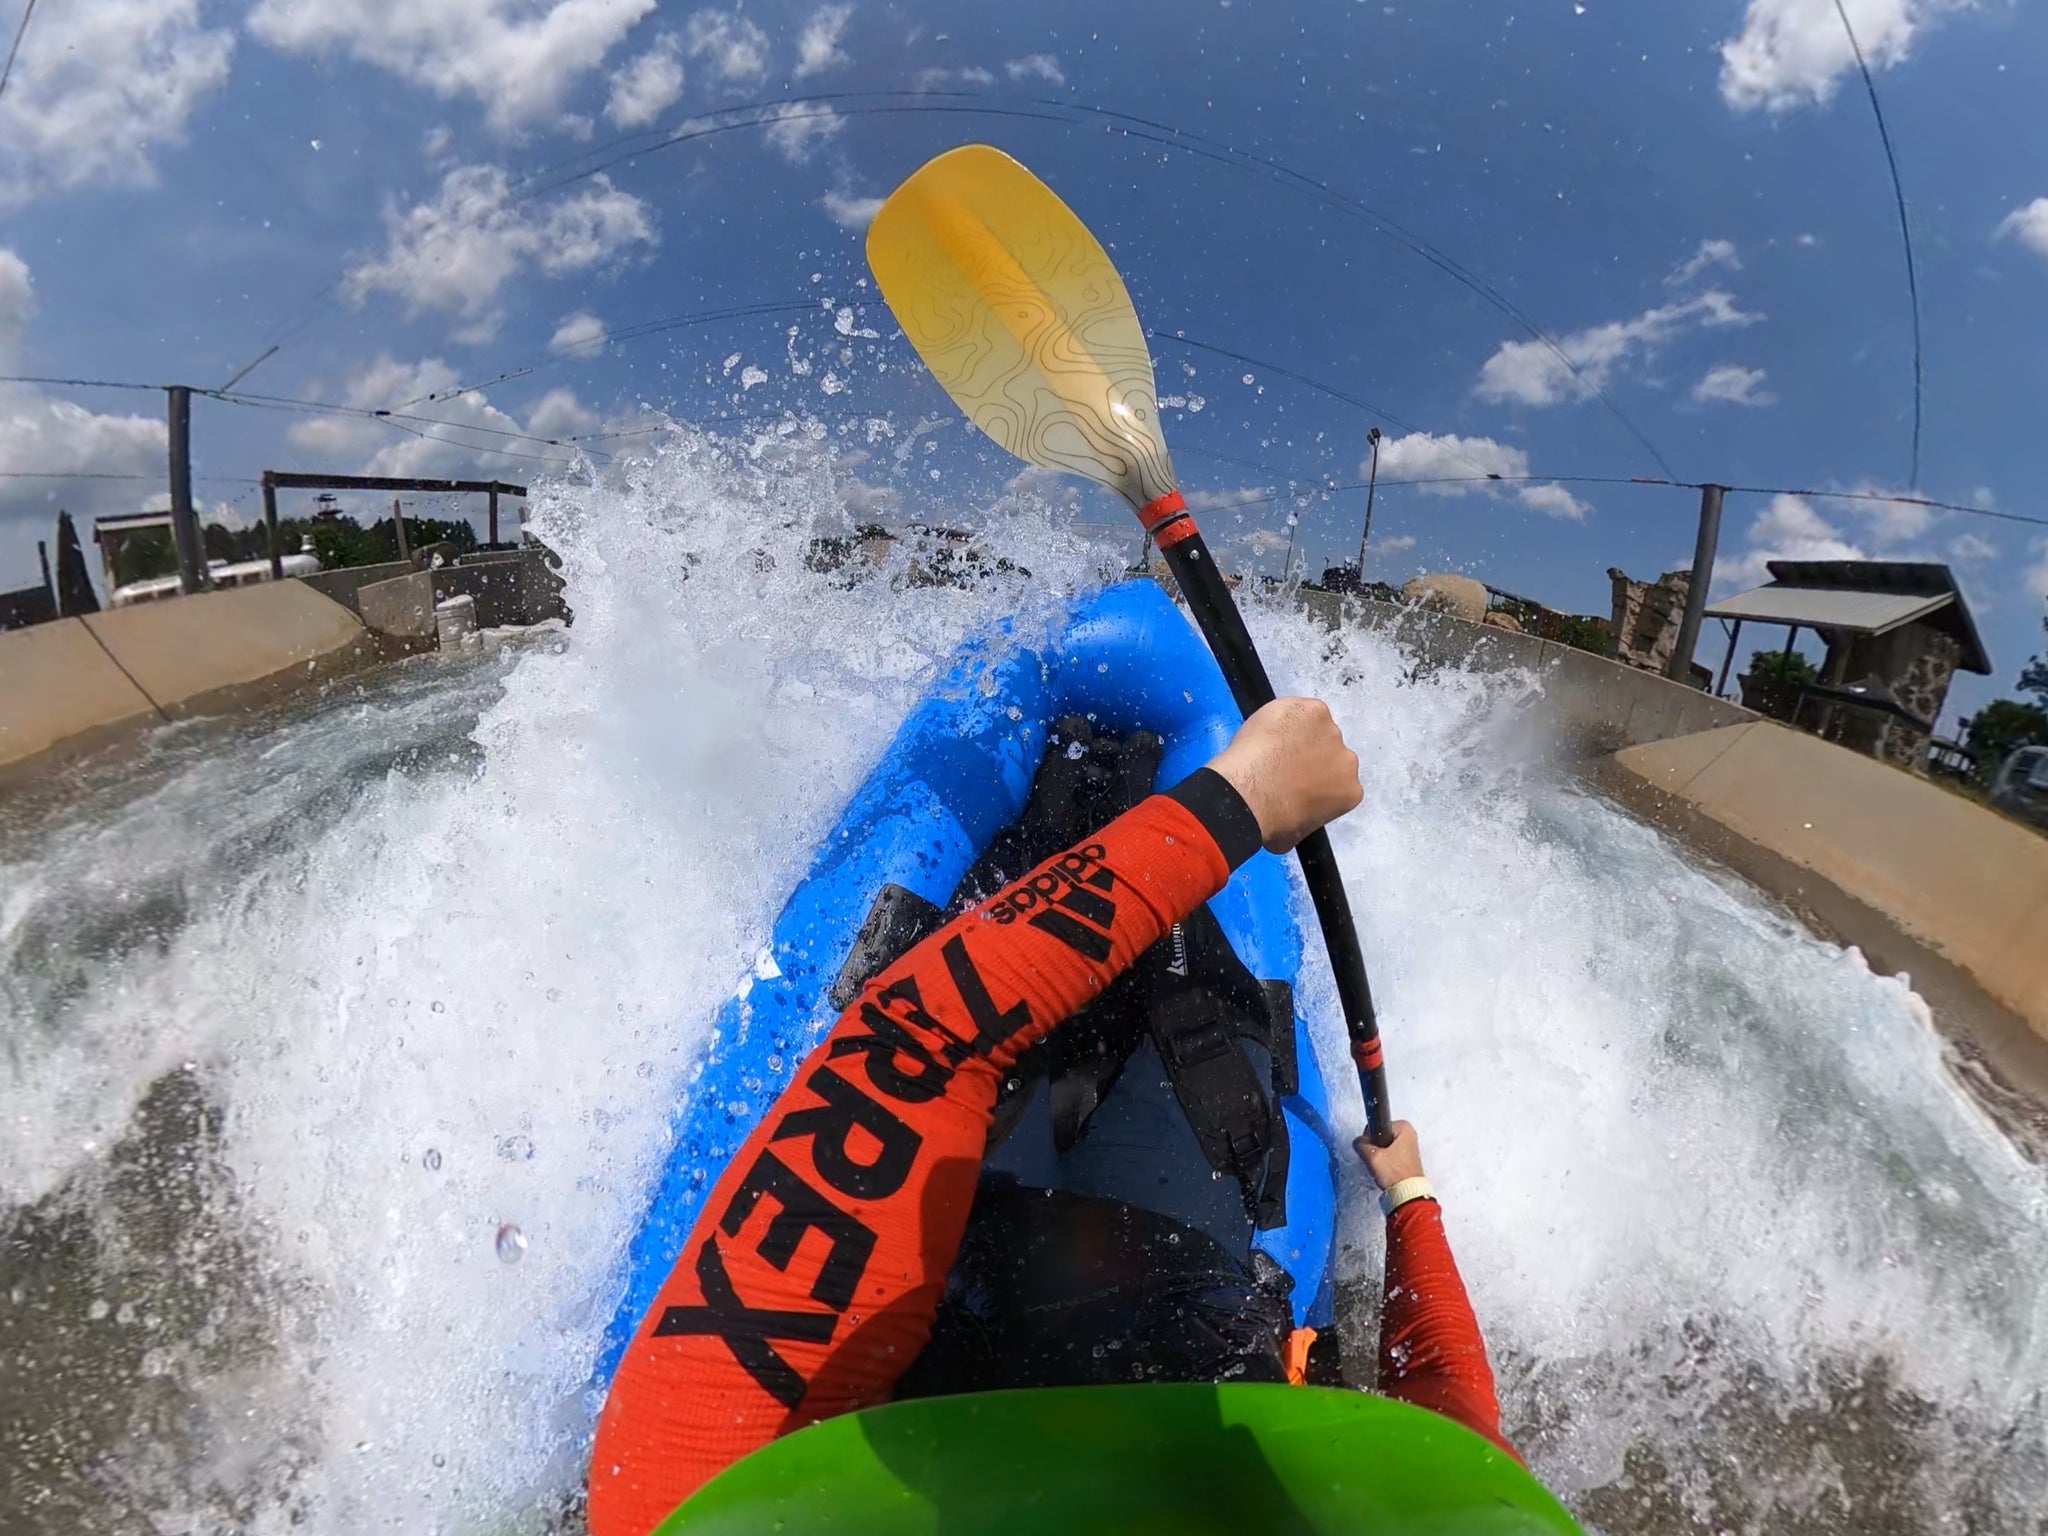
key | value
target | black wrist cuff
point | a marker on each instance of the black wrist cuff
(1221, 810)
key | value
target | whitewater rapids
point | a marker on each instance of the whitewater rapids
(340, 1045)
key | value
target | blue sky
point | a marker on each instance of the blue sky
(1690, 198)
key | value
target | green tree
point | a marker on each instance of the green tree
(2034, 675)
(1775, 678)
(2001, 727)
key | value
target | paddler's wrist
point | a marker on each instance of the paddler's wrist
(1224, 814)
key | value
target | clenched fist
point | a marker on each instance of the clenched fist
(1290, 764)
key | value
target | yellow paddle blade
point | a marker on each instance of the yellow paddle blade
(1019, 312)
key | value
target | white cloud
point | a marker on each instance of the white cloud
(559, 414)
(1712, 253)
(648, 85)
(457, 252)
(1400, 543)
(580, 335)
(1554, 501)
(736, 48)
(1036, 66)
(1732, 384)
(798, 128)
(1792, 53)
(2028, 225)
(1207, 500)
(936, 79)
(1455, 465)
(1788, 528)
(1531, 373)
(359, 445)
(817, 46)
(98, 85)
(1971, 549)
(17, 301)
(849, 211)
(519, 59)
(41, 435)
(2036, 576)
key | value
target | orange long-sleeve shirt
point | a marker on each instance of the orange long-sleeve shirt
(811, 1280)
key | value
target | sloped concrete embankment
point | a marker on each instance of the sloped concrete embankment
(1925, 883)
(75, 685)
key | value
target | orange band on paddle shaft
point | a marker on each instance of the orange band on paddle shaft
(1294, 1355)
(1166, 519)
(1367, 1054)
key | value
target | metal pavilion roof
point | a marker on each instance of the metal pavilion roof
(1869, 597)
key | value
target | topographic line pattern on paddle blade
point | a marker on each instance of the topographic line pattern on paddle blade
(1021, 316)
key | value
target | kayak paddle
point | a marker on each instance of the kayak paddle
(1020, 314)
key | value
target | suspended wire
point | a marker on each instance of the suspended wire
(7, 72)
(1891, 161)
(894, 103)
(36, 378)
(399, 422)
(1316, 384)
(1147, 130)
(634, 332)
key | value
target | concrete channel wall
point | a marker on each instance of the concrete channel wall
(1925, 883)
(1943, 873)
(1591, 704)
(70, 686)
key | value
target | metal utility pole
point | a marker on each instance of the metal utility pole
(493, 505)
(1679, 667)
(185, 534)
(398, 528)
(1372, 484)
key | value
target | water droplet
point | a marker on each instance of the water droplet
(431, 1159)
(440, 1007)
(440, 1460)
(515, 1148)
(1075, 751)
(97, 1311)
(511, 1244)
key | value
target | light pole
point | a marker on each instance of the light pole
(1372, 483)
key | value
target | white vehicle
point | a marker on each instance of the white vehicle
(2021, 788)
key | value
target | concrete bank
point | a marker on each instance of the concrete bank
(1591, 705)
(74, 685)
(1921, 880)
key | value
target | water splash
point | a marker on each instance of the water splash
(304, 1009)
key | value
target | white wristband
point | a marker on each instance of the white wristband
(1399, 1194)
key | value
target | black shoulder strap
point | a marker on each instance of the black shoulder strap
(1206, 1006)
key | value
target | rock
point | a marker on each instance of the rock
(1497, 620)
(1443, 593)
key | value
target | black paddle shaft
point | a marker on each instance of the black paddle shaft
(1215, 611)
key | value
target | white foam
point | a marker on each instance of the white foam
(440, 997)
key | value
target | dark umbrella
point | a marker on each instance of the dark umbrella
(74, 583)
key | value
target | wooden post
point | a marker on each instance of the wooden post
(184, 522)
(494, 514)
(1734, 637)
(398, 529)
(270, 523)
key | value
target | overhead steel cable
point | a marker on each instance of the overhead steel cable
(1891, 161)
(894, 103)
(7, 71)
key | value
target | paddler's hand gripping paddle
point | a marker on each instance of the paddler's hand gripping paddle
(1020, 314)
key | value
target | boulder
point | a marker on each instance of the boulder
(1444, 593)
